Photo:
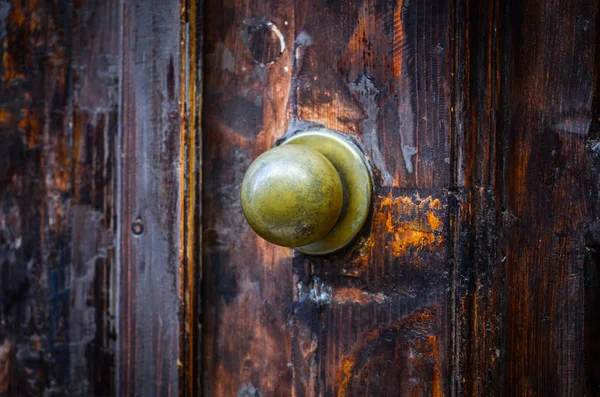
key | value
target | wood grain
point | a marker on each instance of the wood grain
(549, 193)
(157, 171)
(190, 270)
(247, 284)
(387, 81)
(476, 273)
(479, 276)
(59, 111)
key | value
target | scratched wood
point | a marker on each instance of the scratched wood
(550, 194)
(65, 198)
(158, 192)
(478, 308)
(59, 108)
(247, 283)
(374, 320)
(476, 273)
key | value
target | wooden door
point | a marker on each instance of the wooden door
(127, 268)
(476, 273)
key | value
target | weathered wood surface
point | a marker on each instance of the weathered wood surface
(157, 191)
(59, 118)
(375, 319)
(476, 275)
(550, 195)
(99, 114)
(477, 272)
(247, 285)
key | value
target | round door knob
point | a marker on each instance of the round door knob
(292, 195)
(312, 193)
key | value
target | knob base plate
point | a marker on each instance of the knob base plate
(356, 180)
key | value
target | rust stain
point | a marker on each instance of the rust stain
(354, 295)
(410, 345)
(31, 126)
(412, 225)
(5, 116)
(10, 67)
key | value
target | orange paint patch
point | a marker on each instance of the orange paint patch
(31, 126)
(5, 117)
(434, 221)
(404, 227)
(354, 295)
(345, 376)
(413, 225)
(10, 68)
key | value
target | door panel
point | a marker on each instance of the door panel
(247, 286)
(127, 268)
(550, 200)
(475, 272)
(59, 119)
(99, 150)
(375, 319)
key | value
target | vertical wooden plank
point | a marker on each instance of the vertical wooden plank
(478, 350)
(247, 282)
(59, 118)
(36, 184)
(94, 77)
(550, 192)
(150, 194)
(190, 271)
(591, 268)
(374, 320)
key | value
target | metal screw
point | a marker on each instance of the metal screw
(137, 227)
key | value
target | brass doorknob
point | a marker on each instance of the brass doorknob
(311, 193)
(292, 195)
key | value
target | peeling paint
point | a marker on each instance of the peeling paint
(303, 39)
(90, 244)
(248, 391)
(367, 93)
(318, 292)
(413, 225)
(354, 295)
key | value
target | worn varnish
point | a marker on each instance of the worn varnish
(392, 91)
(59, 123)
(476, 274)
(121, 232)
(157, 189)
(247, 285)
(75, 278)
(550, 194)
